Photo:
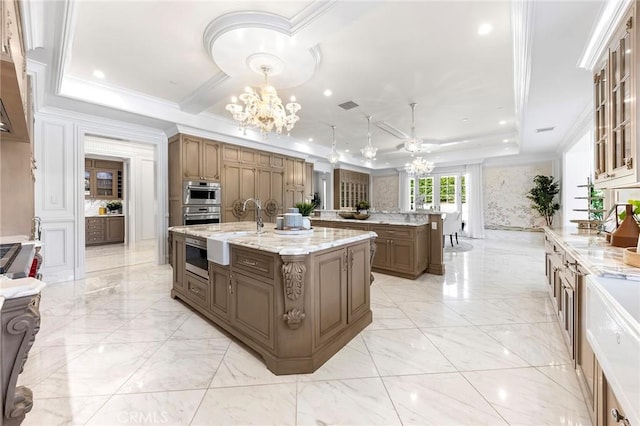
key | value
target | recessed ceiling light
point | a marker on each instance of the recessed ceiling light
(310, 139)
(502, 122)
(465, 119)
(346, 150)
(485, 29)
(327, 92)
(505, 140)
(98, 74)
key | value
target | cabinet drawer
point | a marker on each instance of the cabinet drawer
(197, 290)
(254, 263)
(396, 232)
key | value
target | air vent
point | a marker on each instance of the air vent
(391, 130)
(348, 105)
(544, 129)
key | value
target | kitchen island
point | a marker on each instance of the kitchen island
(294, 299)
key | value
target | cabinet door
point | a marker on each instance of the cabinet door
(271, 192)
(381, 259)
(87, 184)
(308, 179)
(252, 309)
(612, 409)
(330, 295)
(178, 261)
(358, 282)
(402, 255)
(298, 172)
(220, 283)
(115, 229)
(566, 314)
(106, 183)
(191, 148)
(585, 358)
(211, 160)
(601, 122)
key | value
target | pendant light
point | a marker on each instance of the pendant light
(369, 152)
(333, 157)
(413, 143)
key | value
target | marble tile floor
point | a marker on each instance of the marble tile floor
(479, 345)
(111, 256)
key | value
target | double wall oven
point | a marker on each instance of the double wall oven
(201, 202)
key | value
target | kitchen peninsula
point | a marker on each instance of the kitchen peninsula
(294, 299)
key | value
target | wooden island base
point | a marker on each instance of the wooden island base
(296, 311)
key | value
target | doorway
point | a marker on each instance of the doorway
(442, 192)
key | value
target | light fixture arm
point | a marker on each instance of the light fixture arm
(413, 119)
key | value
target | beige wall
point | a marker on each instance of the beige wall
(385, 194)
(16, 188)
(504, 192)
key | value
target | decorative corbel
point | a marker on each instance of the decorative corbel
(293, 272)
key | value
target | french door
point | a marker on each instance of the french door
(445, 193)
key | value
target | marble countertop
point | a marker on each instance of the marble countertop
(374, 221)
(594, 253)
(104, 215)
(320, 239)
(22, 287)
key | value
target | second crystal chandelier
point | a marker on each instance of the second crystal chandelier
(369, 151)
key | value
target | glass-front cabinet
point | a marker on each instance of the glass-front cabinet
(102, 179)
(615, 141)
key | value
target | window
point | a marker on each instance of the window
(448, 201)
(422, 199)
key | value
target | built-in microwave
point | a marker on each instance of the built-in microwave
(196, 260)
(201, 193)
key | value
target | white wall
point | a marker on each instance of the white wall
(577, 168)
(59, 197)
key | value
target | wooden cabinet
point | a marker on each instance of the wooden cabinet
(103, 179)
(197, 289)
(349, 188)
(240, 155)
(239, 184)
(308, 180)
(331, 300)
(613, 412)
(220, 283)
(178, 261)
(200, 159)
(271, 161)
(252, 308)
(104, 230)
(586, 363)
(295, 190)
(358, 282)
(615, 108)
(271, 193)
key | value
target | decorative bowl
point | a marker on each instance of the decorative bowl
(361, 216)
(346, 215)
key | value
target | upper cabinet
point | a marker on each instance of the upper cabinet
(15, 110)
(349, 188)
(615, 115)
(102, 179)
(200, 159)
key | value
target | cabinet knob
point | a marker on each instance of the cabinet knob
(617, 417)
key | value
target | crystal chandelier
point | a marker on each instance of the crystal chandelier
(419, 167)
(413, 143)
(369, 152)
(333, 157)
(264, 110)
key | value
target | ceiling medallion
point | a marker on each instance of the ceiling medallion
(413, 143)
(263, 109)
(419, 167)
(333, 157)
(369, 152)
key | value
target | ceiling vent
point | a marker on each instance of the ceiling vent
(348, 105)
(391, 130)
(544, 129)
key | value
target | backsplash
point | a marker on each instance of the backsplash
(385, 192)
(91, 206)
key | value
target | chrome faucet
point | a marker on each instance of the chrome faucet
(259, 223)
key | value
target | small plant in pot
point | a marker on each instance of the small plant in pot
(363, 207)
(305, 209)
(114, 207)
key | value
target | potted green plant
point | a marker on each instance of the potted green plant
(542, 196)
(363, 206)
(305, 209)
(114, 206)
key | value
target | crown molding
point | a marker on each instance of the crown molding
(610, 16)
(200, 98)
(62, 58)
(33, 14)
(309, 14)
(522, 16)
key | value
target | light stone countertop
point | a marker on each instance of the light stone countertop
(22, 287)
(321, 239)
(104, 215)
(594, 253)
(373, 221)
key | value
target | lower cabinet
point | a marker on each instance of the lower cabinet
(252, 307)
(104, 230)
(220, 279)
(178, 260)
(331, 300)
(197, 289)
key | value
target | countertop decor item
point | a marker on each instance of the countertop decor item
(114, 206)
(626, 235)
(630, 257)
(361, 216)
(305, 209)
(346, 215)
